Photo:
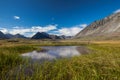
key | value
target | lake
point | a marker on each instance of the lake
(53, 52)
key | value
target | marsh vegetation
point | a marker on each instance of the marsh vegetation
(103, 62)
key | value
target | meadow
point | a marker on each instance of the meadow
(102, 63)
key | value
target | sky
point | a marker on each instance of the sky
(60, 17)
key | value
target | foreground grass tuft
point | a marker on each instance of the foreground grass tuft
(10, 58)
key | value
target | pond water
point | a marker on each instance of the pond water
(53, 52)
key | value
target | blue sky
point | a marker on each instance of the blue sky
(61, 17)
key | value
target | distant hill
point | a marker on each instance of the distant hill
(41, 35)
(9, 35)
(19, 36)
(2, 36)
(54, 37)
(107, 28)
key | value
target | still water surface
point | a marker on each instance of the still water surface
(53, 52)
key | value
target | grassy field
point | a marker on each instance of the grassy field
(103, 63)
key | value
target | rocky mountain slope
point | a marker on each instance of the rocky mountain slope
(2, 36)
(108, 27)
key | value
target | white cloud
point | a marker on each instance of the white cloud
(43, 29)
(19, 31)
(4, 30)
(53, 28)
(82, 25)
(117, 11)
(71, 31)
(16, 17)
(16, 27)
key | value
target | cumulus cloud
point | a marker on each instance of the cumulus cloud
(16, 17)
(71, 31)
(4, 30)
(117, 11)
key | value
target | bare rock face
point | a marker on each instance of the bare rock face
(107, 27)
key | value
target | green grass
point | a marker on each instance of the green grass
(17, 49)
(9, 57)
(103, 63)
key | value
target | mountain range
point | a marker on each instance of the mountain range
(106, 28)
(10, 36)
(38, 35)
(43, 35)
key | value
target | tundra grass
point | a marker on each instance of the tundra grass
(10, 57)
(103, 63)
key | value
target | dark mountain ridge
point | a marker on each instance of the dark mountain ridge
(2, 35)
(41, 35)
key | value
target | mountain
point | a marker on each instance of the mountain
(41, 35)
(106, 28)
(62, 37)
(18, 36)
(2, 36)
(54, 37)
(9, 36)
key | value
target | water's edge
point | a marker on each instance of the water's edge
(56, 52)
